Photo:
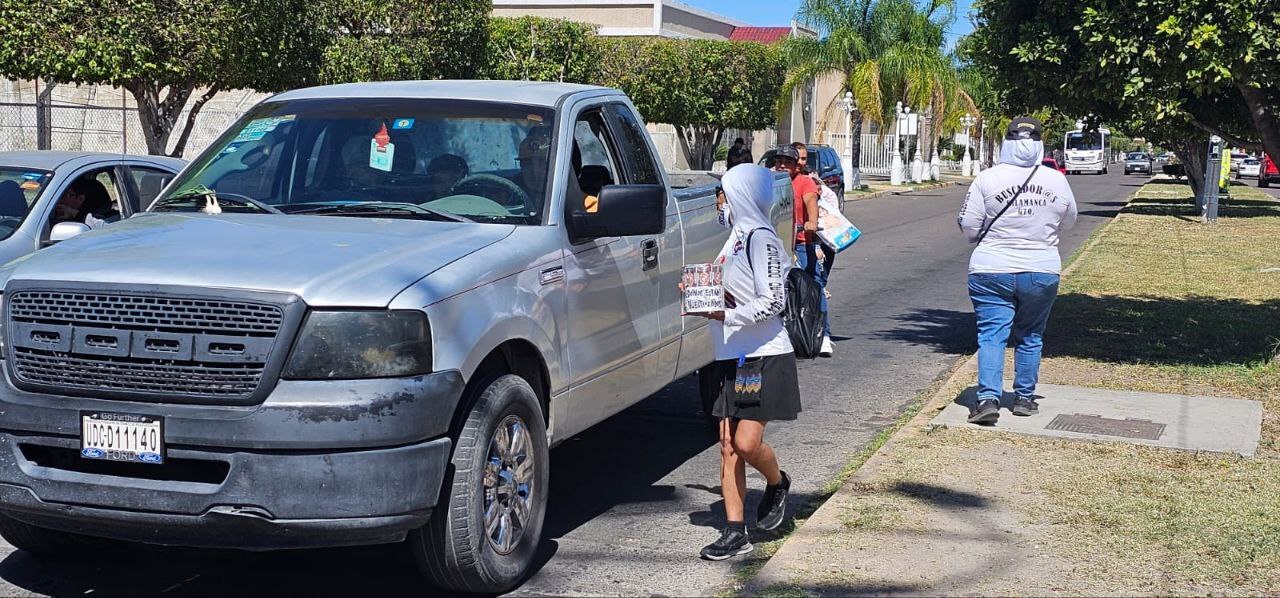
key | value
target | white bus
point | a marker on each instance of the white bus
(1087, 151)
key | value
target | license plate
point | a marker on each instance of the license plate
(122, 437)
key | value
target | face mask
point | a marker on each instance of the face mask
(723, 216)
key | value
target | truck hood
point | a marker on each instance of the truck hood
(325, 260)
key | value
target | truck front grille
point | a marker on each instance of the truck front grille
(140, 346)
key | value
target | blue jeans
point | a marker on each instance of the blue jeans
(1011, 303)
(807, 259)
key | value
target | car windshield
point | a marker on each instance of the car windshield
(376, 157)
(19, 188)
(1137, 156)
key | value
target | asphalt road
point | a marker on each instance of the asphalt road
(636, 497)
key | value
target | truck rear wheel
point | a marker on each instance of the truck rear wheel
(45, 542)
(1263, 182)
(484, 532)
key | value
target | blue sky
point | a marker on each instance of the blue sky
(766, 13)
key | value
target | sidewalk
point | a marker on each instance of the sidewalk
(1159, 302)
(880, 188)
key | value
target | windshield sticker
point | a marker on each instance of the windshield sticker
(32, 176)
(259, 127)
(403, 123)
(381, 151)
(29, 185)
(535, 117)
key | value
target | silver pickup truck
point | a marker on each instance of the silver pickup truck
(362, 316)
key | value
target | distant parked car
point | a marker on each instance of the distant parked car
(1267, 172)
(824, 160)
(1250, 167)
(1051, 163)
(33, 183)
(1138, 162)
(1236, 160)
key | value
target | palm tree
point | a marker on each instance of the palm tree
(887, 51)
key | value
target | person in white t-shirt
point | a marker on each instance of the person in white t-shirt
(1014, 212)
(755, 367)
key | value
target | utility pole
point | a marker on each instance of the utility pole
(1212, 177)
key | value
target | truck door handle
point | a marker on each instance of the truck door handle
(649, 252)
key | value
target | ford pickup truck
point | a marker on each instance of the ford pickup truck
(363, 315)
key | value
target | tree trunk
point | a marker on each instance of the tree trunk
(1263, 113)
(854, 179)
(699, 143)
(1193, 154)
(158, 115)
(181, 145)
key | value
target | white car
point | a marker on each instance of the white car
(1250, 167)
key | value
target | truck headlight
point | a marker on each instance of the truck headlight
(345, 345)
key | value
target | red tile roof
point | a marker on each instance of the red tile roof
(763, 35)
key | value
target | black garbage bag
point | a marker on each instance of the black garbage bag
(802, 316)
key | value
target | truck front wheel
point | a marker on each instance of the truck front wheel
(45, 542)
(483, 535)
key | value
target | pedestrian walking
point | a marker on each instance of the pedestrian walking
(755, 366)
(787, 159)
(738, 154)
(1015, 212)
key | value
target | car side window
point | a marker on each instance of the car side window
(147, 182)
(92, 198)
(644, 170)
(595, 163)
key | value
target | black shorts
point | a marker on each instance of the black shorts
(777, 400)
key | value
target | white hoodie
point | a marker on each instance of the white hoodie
(1025, 238)
(758, 284)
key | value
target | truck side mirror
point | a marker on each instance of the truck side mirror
(622, 211)
(65, 230)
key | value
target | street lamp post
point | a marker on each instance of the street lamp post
(966, 163)
(851, 174)
(895, 163)
(917, 164)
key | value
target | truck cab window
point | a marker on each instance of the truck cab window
(594, 163)
(644, 170)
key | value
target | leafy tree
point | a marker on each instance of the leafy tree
(702, 87)
(386, 40)
(161, 51)
(1171, 72)
(538, 49)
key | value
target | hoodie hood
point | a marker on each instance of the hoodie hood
(1021, 152)
(749, 191)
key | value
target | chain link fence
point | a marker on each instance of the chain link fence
(79, 127)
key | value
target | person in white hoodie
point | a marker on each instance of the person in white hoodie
(1014, 212)
(755, 365)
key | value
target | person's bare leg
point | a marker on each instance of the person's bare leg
(733, 474)
(748, 444)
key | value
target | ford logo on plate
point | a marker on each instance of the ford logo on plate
(91, 453)
(149, 457)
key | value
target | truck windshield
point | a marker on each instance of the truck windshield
(376, 157)
(19, 188)
(1084, 141)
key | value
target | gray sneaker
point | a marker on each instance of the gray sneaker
(987, 411)
(1025, 406)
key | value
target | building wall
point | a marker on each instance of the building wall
(688, 24)
(639, 15)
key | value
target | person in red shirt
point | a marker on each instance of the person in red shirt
(787, 159)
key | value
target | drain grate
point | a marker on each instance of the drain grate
(1105, 426)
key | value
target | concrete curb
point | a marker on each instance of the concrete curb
(905, 190)
(826, 519)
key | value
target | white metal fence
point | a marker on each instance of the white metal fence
(82, 127)
(876, 156)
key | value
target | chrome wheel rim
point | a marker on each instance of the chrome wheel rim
(508, 484)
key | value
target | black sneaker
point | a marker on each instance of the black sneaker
(987, 411)
(773, 507)
(1025, 406)
(732, 542)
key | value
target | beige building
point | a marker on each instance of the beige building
(812, 110)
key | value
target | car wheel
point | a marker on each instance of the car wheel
(47, 542)
(483, 535)
(1263, 182)
(840, 196)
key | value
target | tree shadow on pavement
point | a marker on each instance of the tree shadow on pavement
(947, 331)
(1198, 331)
(941, 496)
